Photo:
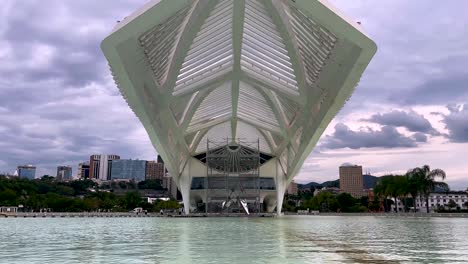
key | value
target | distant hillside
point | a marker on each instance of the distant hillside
(335, 183)
(369, 182)
(308, 185)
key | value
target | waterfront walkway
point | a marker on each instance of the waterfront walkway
(129, 214)
(461, 215)
(122, 214)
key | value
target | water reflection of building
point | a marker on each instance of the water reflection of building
(27, 172)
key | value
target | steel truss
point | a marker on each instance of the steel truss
(232, 175)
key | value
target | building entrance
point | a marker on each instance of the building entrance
(233, 179)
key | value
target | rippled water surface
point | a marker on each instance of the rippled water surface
(293, 239)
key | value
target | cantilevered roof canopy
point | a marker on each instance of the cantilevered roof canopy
(273, 70)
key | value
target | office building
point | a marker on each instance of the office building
(128, 170)
(64, 173)
(292, 189)
(169, 184)
(100, 166)
(27, 172)
(351, 180)
(235, 91)
(155, 170)
(83, 170)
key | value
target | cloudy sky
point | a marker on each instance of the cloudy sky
(58, 103)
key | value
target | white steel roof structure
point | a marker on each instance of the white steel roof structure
(274, 70)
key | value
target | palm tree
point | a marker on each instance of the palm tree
(379, 190)
(426, 179)
(388, 187)
(403, 189)
(393, 190)
(414, 183)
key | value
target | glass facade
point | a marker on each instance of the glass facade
(64, 173)
(198, 183)
(128, 170)
(27, 172)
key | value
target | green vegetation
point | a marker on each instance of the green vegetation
(327, 202)
(418, 181)
(77, 196)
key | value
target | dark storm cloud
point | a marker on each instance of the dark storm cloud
(58, 103)
(421, 59)
(388, 137)
(410, 120)
(420, 137)
(457, 123)
(59, 40)
(50, 46)
(451, 88)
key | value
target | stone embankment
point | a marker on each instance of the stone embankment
(460, 215)
(58, 215)
(123, 214)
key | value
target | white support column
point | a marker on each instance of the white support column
(281, 182)
(184, 182)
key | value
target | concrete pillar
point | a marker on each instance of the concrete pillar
(184, 183)
(185, 191)
(270, 203)
(281, 182)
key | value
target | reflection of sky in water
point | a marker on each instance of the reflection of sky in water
(318, 239)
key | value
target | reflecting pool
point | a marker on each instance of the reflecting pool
(289, 239)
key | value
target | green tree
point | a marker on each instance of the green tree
(345, 202)
(402, 186)
(132, 200)
(150, 184)
(81, 187)
(451, 204)
(393, 186)
(413, 187)
(8, 197)
(165, 205)
(324, 201)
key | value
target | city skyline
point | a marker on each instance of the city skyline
(57, 110)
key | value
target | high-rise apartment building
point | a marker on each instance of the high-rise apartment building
(64, 173)
(155, 170)
(128, 170)
(100, 166)
(83, 170)
(292, 189)
(169, 184)
(27, 172)
(351, 180)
